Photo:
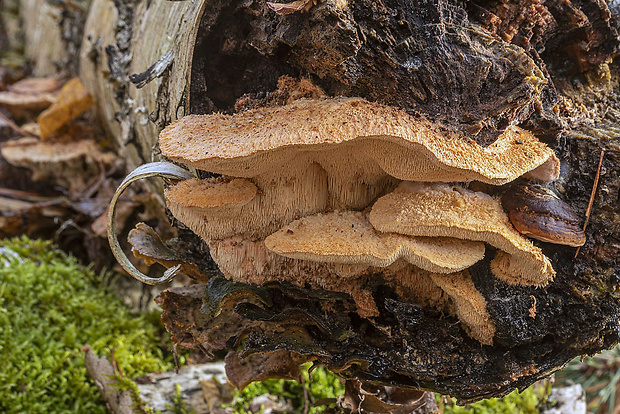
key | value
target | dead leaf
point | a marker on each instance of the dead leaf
(73, 101)
(369, 398)
(288, 8)
(242, 370)
(147, 245)
(124, 211)
(216, 393)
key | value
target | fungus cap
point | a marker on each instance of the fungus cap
(547, 171)
(250, 143)
(71, 164)
(218, 208)
(17, 101)
(439, 209)
(349, 238)
(212, 193)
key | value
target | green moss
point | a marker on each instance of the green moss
(324, 385)
(50, 307)
(179, 405)
(527, 402)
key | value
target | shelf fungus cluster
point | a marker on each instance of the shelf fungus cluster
(343, 195)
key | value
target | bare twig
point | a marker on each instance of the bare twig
(594, 187)
(117, 367)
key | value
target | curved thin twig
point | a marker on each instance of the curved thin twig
(154, 169)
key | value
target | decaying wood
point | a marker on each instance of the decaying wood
(124, 38)
(476, 67)
(346, 47)
(53, 33)
(102, 372)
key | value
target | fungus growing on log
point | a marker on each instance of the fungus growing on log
(442, 210)
(455, 75)
(69, 164)
(380, 139)
(348, 238)
(316, 155)
(295, 178)
(30, 96)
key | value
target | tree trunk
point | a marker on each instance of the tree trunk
(473, 67)
(124, 38)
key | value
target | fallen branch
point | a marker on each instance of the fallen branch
(101, 370)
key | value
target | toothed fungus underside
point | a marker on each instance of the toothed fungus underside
(298, 182)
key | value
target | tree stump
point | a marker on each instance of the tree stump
(474, 67)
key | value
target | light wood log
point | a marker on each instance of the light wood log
(140, 32)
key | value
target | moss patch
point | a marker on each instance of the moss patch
(529, 401)
(50, 307)
(324, 385)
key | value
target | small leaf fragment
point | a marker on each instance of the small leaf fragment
(73, 100)
(289, 8)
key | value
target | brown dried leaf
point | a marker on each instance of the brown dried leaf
(147, 245)
(288, 8)
(73, 100)
(258, 367)
(124, 210)
(368, 398)
(216, 393)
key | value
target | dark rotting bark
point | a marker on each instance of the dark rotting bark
(475, 66)
(73, 18)
(465, 65)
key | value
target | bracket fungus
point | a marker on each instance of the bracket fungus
(442, 210)
(343, 197)
(313, 156)
(69, 164)
(349, 238)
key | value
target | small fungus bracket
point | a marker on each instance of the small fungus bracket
(164, 170)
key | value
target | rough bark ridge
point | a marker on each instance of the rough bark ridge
(475, 66)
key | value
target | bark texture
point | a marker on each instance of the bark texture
(124, 38)
(471, 66)
(53, 34)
